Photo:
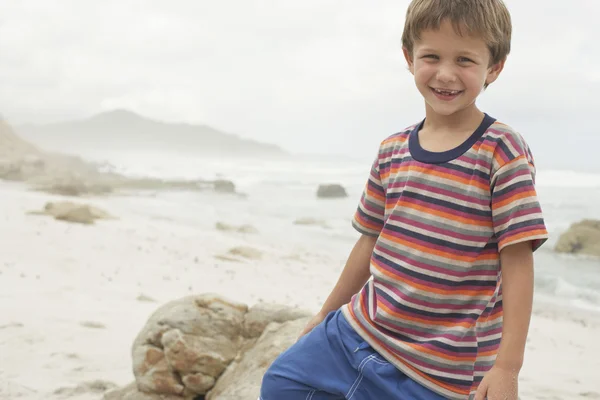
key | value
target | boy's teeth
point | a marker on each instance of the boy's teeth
(447, 92)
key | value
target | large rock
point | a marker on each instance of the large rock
(331, 191)
(208, 345)
(262, 314)
(241, 381)
(187, 342)
(581, 238)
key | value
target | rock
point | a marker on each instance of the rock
(581, 238)
(231, 228)
(246, 252)
(224, 186)
(143, 297)
(209, 347)
(331, 191)
(92, 325)
(161, 184)
(73, 212)
(193, 339)
(242, 380)
(74, 187)
(262, 314)
(18, 169)
(311, 222)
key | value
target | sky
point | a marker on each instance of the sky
(313, 76)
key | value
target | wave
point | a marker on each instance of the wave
(557, 289)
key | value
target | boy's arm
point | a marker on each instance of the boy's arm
(501, 382)
(354, 276)
(517, 298)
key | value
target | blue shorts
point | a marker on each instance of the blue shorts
(333, 362)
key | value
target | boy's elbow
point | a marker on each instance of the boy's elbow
(367, 241)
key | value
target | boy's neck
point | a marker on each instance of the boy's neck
(461, 121)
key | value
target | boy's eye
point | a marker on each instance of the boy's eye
(464, 59)
(431, 56)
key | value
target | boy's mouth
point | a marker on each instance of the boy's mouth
(446, 94)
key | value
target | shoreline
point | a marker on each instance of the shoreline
(73, 297)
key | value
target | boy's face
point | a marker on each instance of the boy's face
(450, 70)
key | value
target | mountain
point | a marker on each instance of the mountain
(126, 130)
(12, 146)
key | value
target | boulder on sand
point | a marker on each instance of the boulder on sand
(73, 212)
(223, 186)
(331, 191)
(581, 238)
(208, 347)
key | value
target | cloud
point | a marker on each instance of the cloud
(311, 75)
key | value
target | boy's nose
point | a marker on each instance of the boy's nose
(445, 74)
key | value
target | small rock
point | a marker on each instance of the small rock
(311, 222)
(224, 186)
(330, 191)
(143, 297)
(246, 252)
(231, 228)
(12, 325)
(92, 324)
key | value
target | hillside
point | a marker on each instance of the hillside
(125, 130)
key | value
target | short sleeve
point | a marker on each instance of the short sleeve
(370, 214)
(516, 211)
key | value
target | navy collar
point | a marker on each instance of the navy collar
(420, 154)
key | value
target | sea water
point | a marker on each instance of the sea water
(280, 191)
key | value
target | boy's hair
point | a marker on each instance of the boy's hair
(488, 19)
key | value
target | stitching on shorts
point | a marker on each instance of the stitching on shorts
(359, 369)
(310, 394)
(359, 378)
(380, 361)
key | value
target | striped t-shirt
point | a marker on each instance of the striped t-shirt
(433, 307)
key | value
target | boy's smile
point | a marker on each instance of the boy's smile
(446, 94)
(451, 70)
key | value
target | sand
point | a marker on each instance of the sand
(73, 296)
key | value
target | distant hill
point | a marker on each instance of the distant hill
(125, 130)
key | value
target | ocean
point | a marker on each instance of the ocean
(278, 191)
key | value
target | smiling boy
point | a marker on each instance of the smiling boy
(435, 299)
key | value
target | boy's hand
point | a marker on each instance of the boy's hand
(498, 384)
(316, 320)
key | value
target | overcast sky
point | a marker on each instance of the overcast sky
(310, 75)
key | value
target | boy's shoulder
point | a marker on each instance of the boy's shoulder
(399, 138)
(506, 141)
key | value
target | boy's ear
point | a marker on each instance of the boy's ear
(494, 72)
(409, 60)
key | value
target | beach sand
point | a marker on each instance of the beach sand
(73, 297)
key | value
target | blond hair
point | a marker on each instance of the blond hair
(488, 19)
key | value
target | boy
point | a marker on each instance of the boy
(449, 221)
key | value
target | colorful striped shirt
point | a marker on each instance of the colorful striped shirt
(433, 305)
